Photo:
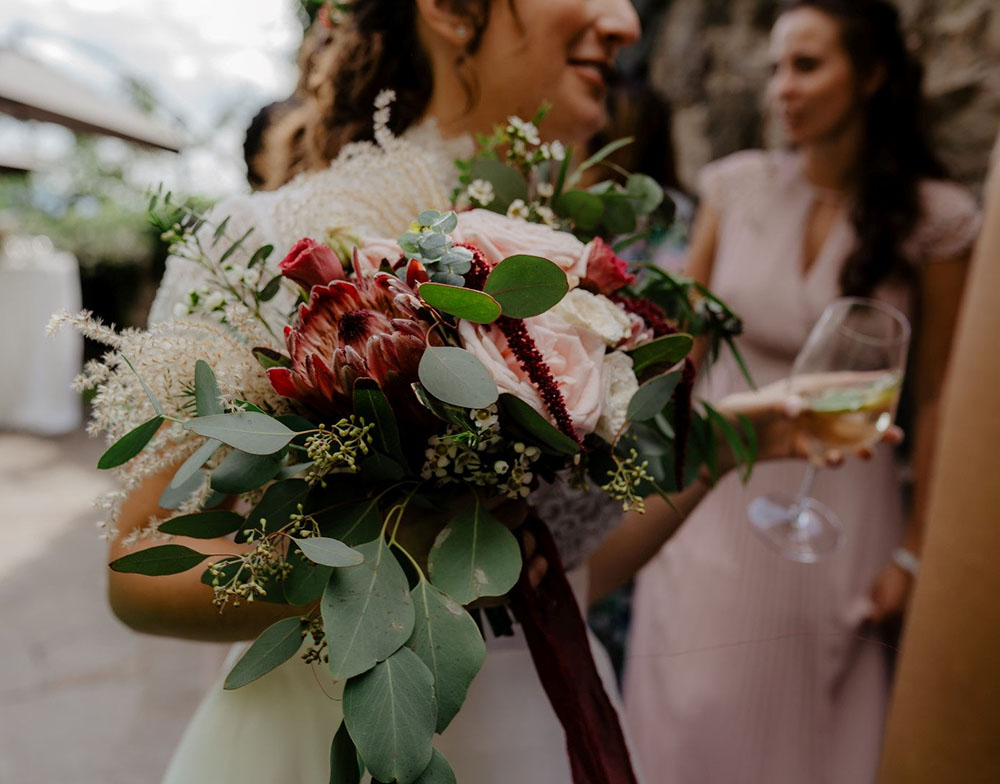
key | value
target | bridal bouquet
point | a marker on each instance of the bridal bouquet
(417, 382)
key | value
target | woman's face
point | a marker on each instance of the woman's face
(555, 51)
(813, 91)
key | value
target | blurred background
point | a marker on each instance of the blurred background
(101, 100)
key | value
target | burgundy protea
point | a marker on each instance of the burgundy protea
(371, 328)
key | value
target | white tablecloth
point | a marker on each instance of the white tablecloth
(36, 370)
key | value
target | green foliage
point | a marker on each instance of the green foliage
(390, 712)
(329, 552)
(206, 390)
(281, 500)
(249, 431)
(651, 398)
(130, 444)
(437, 772)
(191, 467)
(344, 767)
(372, 406)
(158, 561)
(241, 472)
(460, 302)
(276, 645)
(370, 609)
(534, 424)
(508, 183)
(526, 286)
(455, 376)
(203, 525)
(663, 351)
(352, 524)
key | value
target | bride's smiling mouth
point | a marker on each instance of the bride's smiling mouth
(595, 72)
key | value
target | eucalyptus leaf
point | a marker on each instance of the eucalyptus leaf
(474, 556)
(281, 500)
(306, 581)
(344, 767)
(619, 215)
(241, 472)
(193, 464)
(536, 425)
(277, 644)
(269, 358)
(468, 304)
(599, 156)
(390, 712)
(203, 525)
(667, 350)
(508, 184)
(248, 431)
(455, 376)
(352, 524)
(652, 396)
(206, 390)
(446, 412)
(370, 607)
(586, 210)
(158, 561)
(130, 444)
(149, 392)
(371, 405)
(438, 771)
(448, 641)
(645, 192)
(526, 286)
(378, 470)
(174, 497)
(329, 552)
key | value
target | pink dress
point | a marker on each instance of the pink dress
(744, 667)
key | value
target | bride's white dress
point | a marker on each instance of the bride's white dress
(279, 728)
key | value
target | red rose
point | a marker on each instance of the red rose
(310, 264)
(605, 271)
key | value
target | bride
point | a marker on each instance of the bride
(457, 67)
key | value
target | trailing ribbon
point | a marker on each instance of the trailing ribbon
(557, 638)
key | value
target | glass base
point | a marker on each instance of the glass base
(806, 532)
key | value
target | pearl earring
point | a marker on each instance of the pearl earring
(461, 31)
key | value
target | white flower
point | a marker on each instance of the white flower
(214, 300)
(251, 277)
(596, 313)
(384, 98)
(545, 190)
(620, 385)
(546, 214)
(518, 209)
(180, 310)
(481, 191)
(557, 150)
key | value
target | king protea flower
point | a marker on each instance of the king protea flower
(370, 328)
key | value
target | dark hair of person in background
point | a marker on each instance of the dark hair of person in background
(896, 152)
(260, 143)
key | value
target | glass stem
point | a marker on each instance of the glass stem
(803, 495)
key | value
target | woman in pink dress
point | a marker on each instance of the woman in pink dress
(743, 666)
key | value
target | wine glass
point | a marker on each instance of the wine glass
(847, 375)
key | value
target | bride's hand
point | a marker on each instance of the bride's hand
(774, 415)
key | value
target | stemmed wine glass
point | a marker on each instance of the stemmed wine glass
(847, 375)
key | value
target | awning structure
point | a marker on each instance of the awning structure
(30, 90)
(16, 163)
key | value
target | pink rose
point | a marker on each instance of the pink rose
(368, 257)
(498, 237)
(310, 264)
(574, 355)
(605, 271)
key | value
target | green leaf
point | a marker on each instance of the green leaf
(272, 288)
(352, 524)
(260, 255)
(599, 156)
(526, 285)
(619, 215)
(344, 767)
(536, 425)
(281, 500)
(474, 556)
(203, 525)
(390, 712)
(371, 405)
(256, 433)
(437, 772)
(158, 561)
(276, 645)
(130, 444)
(508, 184)
(191, 466)
(460, 302)
(448, 641)
(667, 350)
(743, 452)
(651, 397)
(269, 358)
(455, 376)
(206, 390)
(586, 210)
(329, 552)
(234, 247)
(377, 471)
(370, 608)
(306, 581)
(240, 472)
(644, 192)
(174, 497)
(149, 392)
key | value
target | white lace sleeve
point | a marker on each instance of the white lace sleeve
(578, 519)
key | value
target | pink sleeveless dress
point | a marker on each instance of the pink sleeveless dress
(744, 667)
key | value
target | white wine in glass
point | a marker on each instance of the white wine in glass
(848, 376)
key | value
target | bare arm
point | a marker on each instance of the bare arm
(701, 259)
(180, 605)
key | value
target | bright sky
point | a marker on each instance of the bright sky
(204, 60)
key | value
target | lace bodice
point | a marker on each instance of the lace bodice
(375, 192)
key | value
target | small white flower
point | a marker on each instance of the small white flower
(180, 310)
(214, 300)
(546, 189)
(251, 277)
(546, 214)
(500, 467)
(518, 209)
(518, 148)
(557, 150)
(481, 191)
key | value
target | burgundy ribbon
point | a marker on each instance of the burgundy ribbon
(557, 638)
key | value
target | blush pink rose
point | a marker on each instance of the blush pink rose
(310, 264)
(368, 257)
(574, 355)
(498, 237)
(605, 271)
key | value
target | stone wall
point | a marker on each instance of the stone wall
(709, 58)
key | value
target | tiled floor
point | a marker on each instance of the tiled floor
(82, 698)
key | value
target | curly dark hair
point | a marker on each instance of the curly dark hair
(896, 152)
(378, 48)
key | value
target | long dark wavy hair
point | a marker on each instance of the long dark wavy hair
(378, 48)
(896, 152)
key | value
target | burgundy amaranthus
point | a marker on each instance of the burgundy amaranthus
(648, 311)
